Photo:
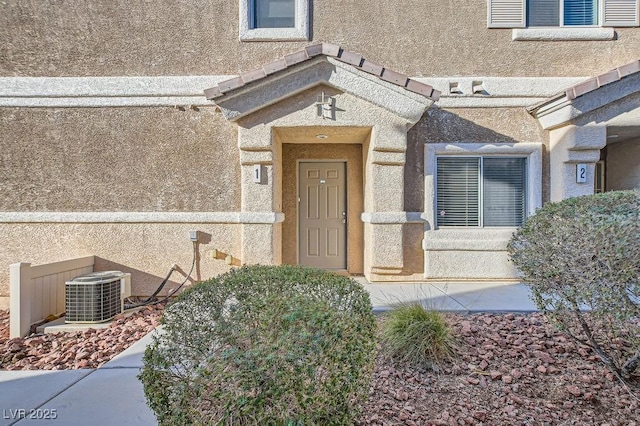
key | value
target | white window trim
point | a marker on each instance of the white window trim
(566, 32)
(532, 151)
(298, 33)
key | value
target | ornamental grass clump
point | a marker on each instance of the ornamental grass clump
(263, 345)
(581, 259)
(418, 336)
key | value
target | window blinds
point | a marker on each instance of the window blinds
(457, 200)
(504, 202)
(580, 12)
(543, 13)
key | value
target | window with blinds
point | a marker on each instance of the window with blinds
(546, 13)
(563, 13)
(480, 191)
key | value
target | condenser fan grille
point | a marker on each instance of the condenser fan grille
(92, 300)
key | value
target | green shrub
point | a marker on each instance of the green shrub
(583, 254)
(416, 335)
(263, 345)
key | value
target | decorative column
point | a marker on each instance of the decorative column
(261, 223)
(384, 201)
(570, 146)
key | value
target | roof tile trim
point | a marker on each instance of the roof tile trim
(326, 49)
(609, 77)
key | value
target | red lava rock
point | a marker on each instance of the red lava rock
(552, 370)
(495, 375)
(507, 379)
(86, 349)
(472, 381)
(479, 415)
(402, 396)
(542, 369)
(574, 390)
(82, 355)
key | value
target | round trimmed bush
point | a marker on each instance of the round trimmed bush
(582, 254)
(281, 345)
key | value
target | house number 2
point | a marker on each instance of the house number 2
(581, 173)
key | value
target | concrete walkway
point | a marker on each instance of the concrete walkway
(112, 394)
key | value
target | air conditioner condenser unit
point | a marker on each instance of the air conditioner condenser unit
(96, 297)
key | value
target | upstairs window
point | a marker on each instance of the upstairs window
(481, 191)
(273, 13)
(562, 13)
(274, 20)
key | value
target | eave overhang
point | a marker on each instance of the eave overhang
(590, 95)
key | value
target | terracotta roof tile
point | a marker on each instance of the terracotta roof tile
(250, 76)
(394, 77)
(296, 57)
(275, 66)
(631, 68)
(372, 68)
(330, 49)
(314, 50)
(421, 88)
(230, 84)
(327, 49)
(608, 77)
(213, 92)
(582, 88)
(351, 58)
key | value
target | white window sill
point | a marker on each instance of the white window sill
(562, 34)
(274, 34)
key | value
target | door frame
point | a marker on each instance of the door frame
(346, 194)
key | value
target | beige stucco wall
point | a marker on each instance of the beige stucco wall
(352, 153)
(117, 159)
(147, 251)
(623, 165)
(489, 125)
(200, 37)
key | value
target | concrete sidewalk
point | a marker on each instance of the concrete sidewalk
(112, 394)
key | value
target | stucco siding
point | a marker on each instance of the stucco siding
(147, 251)
(201, 37)
(117, 159)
